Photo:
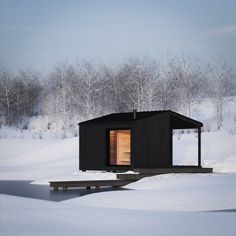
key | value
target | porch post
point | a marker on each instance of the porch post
(199, 146)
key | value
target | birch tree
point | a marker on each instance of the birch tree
(28, 81)
(165, 89)
(186, 72)
(7, 99)
(137, 77)
(110, 91)
(59, 94)
(219, 85)
(89, 89)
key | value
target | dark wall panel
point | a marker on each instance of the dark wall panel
(94, 146)
(152, 142)
(92, 141)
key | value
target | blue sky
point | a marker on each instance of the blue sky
(41, 33)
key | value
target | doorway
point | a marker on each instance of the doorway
(120, 147)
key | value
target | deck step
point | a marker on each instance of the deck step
(132, 176)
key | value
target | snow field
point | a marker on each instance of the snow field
(27, 217)
(172, 204)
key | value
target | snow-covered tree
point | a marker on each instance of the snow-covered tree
(137, 77)
(28, 92)
(219, 85)
(59, 94)
(7, 100)
(186, 72)
(86, 90)
(89, 87)
(110, 90)
(165, 88)
(19, 95)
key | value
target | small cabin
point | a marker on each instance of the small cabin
(133, 140)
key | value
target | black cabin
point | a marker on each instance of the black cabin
(134, 140)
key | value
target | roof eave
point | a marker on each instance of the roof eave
(187, 119)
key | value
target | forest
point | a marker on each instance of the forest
(84, 89)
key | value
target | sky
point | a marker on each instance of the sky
(42, 33)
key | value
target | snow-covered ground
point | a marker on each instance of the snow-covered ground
(42, 160)
(171, 192)
(21, 216)
(173, 204)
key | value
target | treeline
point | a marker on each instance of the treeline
(85, 90)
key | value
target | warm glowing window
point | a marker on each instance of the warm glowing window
(119, 147)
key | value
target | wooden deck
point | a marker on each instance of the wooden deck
(124, 179)
(88, 184)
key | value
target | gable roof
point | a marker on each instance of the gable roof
(126, 116)
(129, 116)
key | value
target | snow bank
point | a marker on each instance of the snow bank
(179, 192)
(40, 127)
(30, 159)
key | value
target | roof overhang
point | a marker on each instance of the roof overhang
(179, 121)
